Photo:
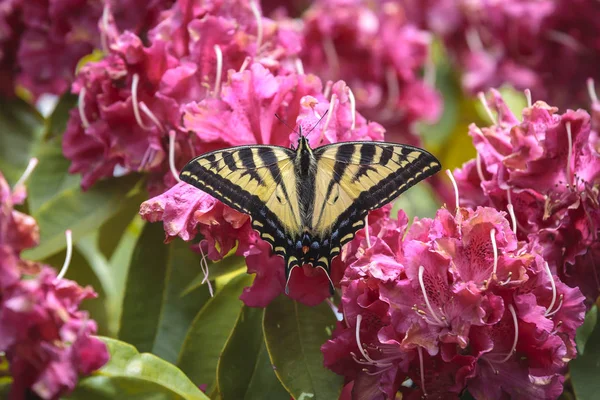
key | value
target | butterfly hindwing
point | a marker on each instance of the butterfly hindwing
(256, 180)
(356, 177)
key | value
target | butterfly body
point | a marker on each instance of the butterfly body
(307, 203)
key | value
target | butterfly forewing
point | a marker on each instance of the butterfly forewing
(256, 180)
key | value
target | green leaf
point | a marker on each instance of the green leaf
(56, 124)
(209, 331)
(244, 370)
(132, 375)
(294, 334)
(420, 201)
(21, 130)
(57, 202)
(216, 270)
(155, 317)
(585, 330)
(585, 369)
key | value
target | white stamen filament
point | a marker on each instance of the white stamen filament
(30, 167)
(331, 55)
(511, 212)
(393, 87)
(219, 56)
(81, 108)
(352, 108)
(473, 40)
(151, 115)
(420, 351)
(299, 66)
(172, 156)
(134, 101)
(65, 267)
(514, 345)
(367, 234)
(205, 271)
(495, 250)
(487, 108)
(259, 25)
(422, 284)
(245, 64)
(456, 196)
(570, 150)
(479, 169)
(547, 268)
(327, 90)
(507, 279)
(592, 90)
(329, 115)
(528, 97)
(103, 41)
(560, 303)
(360, 347)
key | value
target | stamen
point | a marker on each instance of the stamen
(511, 211)
(528, 97)
(336, 311)
(331, 55)
(487, 108)
(560, 303)
(245, 64)
(327, 90)
(479, 169)
(136, 110)
(507, 279)
(219, 55)
(65, 267)
(151, 115)
(570, 150)
(433, 314)
(547, 268)
(104, 20)
(393, 87)
(473, 40)
(420, 351)
(329, 115)
(592, 90)
(81, 108)
(360, 347)
(259, 25)
(495, 249)
(205, 271)
(367, 234)
(30, 167)
(514, 345)
(172, 156)
(299, 66)
(352, 108)
(456, 197)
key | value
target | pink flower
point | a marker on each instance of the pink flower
(379, 54)
(545, 168)
(11, 27)
(449, 304)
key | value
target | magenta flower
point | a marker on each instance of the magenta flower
(454, 303)
(373, 48)
(545, 169)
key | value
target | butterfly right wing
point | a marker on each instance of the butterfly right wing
(255, 180)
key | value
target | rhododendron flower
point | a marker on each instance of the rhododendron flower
(518, 42)
(545, 170)
(44, 336)
(453, 303)
(245, 114)
(373, 48)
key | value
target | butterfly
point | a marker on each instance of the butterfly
(307, 203)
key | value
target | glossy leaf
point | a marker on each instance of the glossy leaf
(132, 375)
(209, 331)
(294, 334)
(585, 330)
(586, 368)
(155, 317)
(216, 270)
(21, 130)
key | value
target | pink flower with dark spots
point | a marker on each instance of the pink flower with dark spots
(544, 169)
(455, 303)
(380, 55)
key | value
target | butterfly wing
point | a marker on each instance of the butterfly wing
(255, 180)
(355, 177)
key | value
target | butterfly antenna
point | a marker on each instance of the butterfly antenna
(318, 122)
(286, 124)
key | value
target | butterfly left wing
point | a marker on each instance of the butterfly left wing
(355, 177)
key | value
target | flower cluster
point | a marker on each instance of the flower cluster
(545, 169)
(451, 303)
(519, 42)
(43, 335)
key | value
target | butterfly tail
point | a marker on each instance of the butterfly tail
(290, 264)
